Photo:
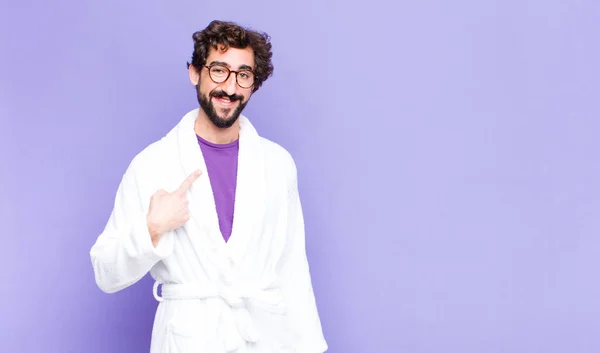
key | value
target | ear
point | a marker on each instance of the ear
(194, 75)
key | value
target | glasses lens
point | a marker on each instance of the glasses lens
(219, 73)
(245, 79)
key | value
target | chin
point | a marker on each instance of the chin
(222, 123)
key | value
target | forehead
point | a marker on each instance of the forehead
(233, 57)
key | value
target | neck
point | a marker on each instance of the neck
(208, 131)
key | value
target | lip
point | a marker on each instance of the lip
(224, 103)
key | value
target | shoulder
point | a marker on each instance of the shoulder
(276, 151)
(278, 154)
(152, 166)
(154, 156)
(280, 159)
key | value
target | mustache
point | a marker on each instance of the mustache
(221, 94)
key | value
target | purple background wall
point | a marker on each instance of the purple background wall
(447, 150)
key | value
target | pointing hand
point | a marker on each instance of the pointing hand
(169, 210)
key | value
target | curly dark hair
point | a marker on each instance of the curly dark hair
(229, 34)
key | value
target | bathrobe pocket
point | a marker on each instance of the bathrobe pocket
(183, 337)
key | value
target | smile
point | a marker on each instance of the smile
(224, 102)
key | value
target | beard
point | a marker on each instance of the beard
(224, 117)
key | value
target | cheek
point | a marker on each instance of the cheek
(206, 89)
(206, 84)
(246, 94)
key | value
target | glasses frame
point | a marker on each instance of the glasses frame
(237, 82)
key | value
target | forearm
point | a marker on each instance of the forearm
(122, 255)
(297, 286)
(303, 313)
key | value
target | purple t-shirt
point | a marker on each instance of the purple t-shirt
(221, 162)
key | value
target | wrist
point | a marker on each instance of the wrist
(154, 231)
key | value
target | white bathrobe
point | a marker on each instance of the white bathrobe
(252, 294)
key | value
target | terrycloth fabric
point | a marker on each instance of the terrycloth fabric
(251, 294)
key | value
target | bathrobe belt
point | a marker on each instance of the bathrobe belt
(236, 299)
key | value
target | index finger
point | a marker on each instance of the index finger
(187, 183)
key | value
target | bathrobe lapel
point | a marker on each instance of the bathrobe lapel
(203, 228)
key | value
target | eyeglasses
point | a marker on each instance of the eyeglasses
(220, 74)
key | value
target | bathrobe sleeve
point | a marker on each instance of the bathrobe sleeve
(123, 253)
(297, 286)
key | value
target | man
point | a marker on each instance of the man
(212, 211)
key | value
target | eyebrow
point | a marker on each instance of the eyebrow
(242, 67)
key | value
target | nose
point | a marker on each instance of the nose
(229, 86)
